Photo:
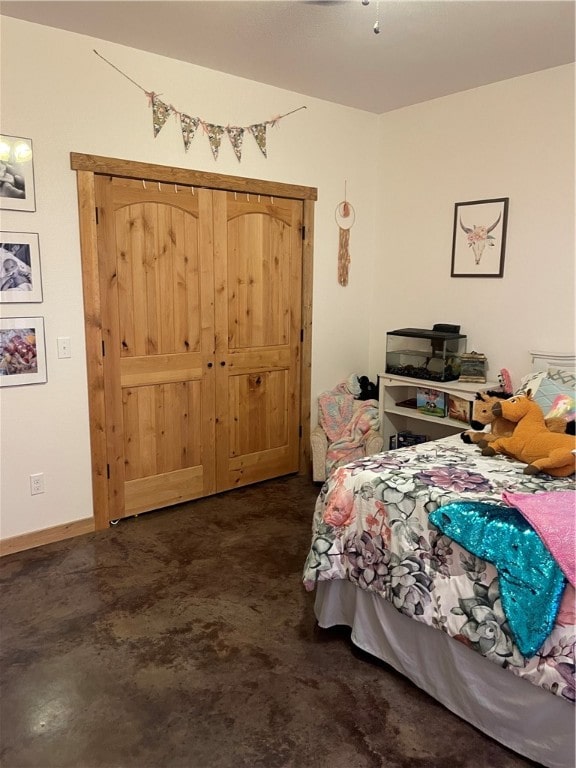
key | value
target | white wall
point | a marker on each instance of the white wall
(66, 99)
(512, 139)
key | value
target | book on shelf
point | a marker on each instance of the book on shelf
(459, 409)
(410, 403)
(430, 401)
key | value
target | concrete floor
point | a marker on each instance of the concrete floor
(184, 638)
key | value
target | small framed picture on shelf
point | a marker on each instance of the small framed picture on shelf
(459, 409)
(432, 402)
(22, 351)
(473, 367)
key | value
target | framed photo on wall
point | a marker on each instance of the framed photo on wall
(20, 278)
(16, 174)
(479, 238)
(22, 351)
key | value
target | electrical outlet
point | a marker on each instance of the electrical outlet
(37, 483)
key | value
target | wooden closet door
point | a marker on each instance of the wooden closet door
(156, 284)
(258, 283)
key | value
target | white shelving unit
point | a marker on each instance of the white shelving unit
(395, 418)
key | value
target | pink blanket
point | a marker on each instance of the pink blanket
(552, 514)
(345, 421)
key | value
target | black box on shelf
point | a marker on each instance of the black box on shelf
(406, 438)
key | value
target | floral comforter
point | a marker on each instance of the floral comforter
(371, 527)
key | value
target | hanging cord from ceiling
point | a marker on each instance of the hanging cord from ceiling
(376, 27)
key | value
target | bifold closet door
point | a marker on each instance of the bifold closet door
(155, 253)
(257, 299)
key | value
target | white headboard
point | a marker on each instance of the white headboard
(541, 361)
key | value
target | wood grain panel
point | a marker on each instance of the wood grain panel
(131, 434)
(162, 428)
(146, 426)
(163, 490)
(170, 231)
(258, 281)
(277, 408)
(260, 359)
(46, 536)
(112, 344)
(132, 219)
(125, 246)
(93, 335)
(187, 290)
(148, 265)
(196, 447)
(172, 409)
(306, 346)
(160, 369)
(167, 176)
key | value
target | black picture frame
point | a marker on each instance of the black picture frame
(479, 238)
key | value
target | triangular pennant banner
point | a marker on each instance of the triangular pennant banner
(160, 113)
(188, 125)
(259, 133)
(236, 136)
(214, 137)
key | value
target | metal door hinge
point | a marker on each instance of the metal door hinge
(97, 222)
(303, 232)
(108, 471)
(103, 348)
(300, 430)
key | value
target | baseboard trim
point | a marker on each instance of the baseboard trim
(46, 536)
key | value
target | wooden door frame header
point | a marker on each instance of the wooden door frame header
(89, 166)
(129, 169)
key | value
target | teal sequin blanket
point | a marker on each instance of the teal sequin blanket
(531, 582)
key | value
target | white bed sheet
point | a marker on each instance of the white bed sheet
(511, 710)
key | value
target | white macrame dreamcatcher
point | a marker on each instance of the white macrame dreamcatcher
(345, 218)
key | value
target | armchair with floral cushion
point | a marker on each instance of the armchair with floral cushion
(348, 428)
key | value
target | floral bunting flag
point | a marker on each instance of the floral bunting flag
(259, 133)
(236, 136)
(160, 113)
(188, 125)
(214, 137)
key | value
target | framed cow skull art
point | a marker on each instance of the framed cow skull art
(479, 238)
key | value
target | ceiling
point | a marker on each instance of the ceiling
(327, 48)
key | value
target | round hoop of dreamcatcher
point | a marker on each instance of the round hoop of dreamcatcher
(345, 216)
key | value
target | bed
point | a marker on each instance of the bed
(420, 601)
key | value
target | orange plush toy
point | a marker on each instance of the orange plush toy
(532, 442)
(483, 414)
